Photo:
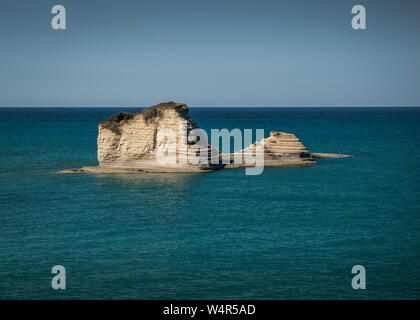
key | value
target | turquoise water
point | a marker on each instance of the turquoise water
(290, 233)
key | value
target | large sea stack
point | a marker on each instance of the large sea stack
(129, 141)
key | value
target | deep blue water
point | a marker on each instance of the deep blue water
(290, 233)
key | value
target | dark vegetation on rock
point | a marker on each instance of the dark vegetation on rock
(113, 123)
(156, 112)
(153, 113)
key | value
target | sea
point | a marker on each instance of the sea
(289, 233)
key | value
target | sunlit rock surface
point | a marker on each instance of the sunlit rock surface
(129, 143)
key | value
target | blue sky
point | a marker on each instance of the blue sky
(210, 53)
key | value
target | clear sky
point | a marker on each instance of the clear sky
(210, 53)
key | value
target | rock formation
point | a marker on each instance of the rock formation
(280, 149)
(131, 143)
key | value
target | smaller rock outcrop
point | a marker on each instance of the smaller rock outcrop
(280, 149)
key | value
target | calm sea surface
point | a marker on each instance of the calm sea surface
(290, 233)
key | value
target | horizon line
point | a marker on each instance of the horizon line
(215, 107)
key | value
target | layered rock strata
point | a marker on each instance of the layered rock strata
(280, 149)
(131, 143)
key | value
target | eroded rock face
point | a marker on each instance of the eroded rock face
(129, 141)
(280, 149)
(287, 148)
